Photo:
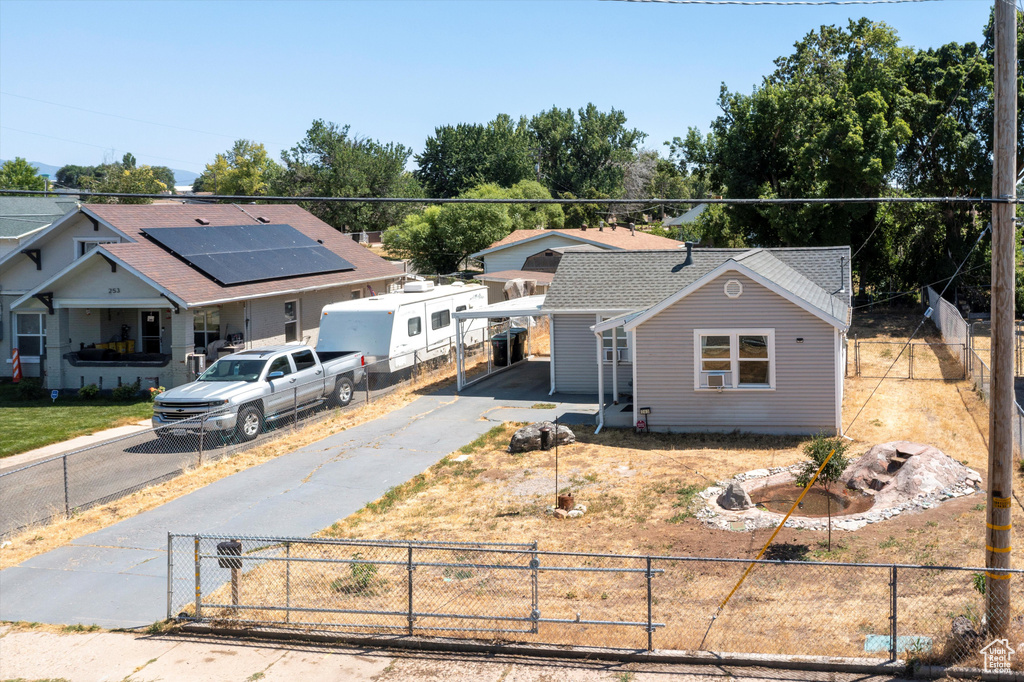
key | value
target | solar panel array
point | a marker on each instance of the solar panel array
(239, 254)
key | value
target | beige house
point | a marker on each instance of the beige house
(105, 296)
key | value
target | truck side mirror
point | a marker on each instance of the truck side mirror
(275, 375)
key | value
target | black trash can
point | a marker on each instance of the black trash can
(499, 346)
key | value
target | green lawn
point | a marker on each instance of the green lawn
(26, 425)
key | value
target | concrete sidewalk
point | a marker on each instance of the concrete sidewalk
(70, 445)
(92, 657)
(117, 577)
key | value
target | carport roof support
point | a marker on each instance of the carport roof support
(528, 306)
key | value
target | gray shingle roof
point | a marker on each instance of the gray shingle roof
(19, 215)
(636, 280)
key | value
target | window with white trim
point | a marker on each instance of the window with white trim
(30, 334)
(206, 327)
(621, 342)
(84, 245)
(291, 321)
(734, 358)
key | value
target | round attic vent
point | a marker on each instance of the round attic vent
(733, 288)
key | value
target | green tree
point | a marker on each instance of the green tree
(578, 151)
(330, 162)
(828, 122)
(457, 158)
(244, 170)
(818, 451)
(439, 239)
(19, 174)
(119, 179)
(72, 176)
(164, 175)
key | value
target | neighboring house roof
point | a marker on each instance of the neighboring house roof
(508, 275)
(183, 283)
(639, 280)
(618, 239)
(685, 218)
(21, 215)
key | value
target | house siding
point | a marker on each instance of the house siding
(513, 257)
(804, 399)
(575, 355)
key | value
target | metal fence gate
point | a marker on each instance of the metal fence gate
(916, 360)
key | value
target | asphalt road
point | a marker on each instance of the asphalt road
(117, 577)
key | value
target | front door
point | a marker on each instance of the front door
(149, 331)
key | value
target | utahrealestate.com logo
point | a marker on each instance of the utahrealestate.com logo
(998, 655)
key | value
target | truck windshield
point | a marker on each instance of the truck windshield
(233, 370)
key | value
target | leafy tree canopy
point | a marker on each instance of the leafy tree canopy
(126, 178)
(331, 162)
(457, 158)
(19, 174)
(243, 170)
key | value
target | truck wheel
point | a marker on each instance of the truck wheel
(343, 390)
(250, 423)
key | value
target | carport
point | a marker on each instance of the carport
(503, 312)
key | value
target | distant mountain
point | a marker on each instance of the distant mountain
(181, 177)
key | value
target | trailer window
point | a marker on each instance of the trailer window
(415, 326)
(442, 318)
(459, 308)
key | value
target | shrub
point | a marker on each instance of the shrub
(30, 389)
(89, 391)
(154, 392)
(127, 392)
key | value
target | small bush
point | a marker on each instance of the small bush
(30, 389)
(88, 392)
(153, 392)
(127, 392)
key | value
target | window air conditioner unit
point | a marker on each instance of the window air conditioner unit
(716, 381)
(623, 354)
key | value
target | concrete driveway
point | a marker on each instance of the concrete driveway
(117, 577)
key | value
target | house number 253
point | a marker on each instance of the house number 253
(113, 290)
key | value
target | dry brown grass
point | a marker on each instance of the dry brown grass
(43, 538)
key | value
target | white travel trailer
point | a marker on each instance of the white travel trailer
(393, 326)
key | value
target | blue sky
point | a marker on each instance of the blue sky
(393, 70)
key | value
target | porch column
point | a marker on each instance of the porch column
(615, 365)
(57, 344)
(179, 333)
(600, 375)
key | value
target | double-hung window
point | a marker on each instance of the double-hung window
(206, 327)
(30, 334)
(291, 321)
(617, 339)
(734, 358)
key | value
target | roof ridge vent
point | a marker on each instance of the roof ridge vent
(202, 221)
(265, 220)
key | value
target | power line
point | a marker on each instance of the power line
(99, 146)
(124, 118)
(812, 3)
(609, 202)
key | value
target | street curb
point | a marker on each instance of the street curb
(779, 662)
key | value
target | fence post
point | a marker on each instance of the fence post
(202, 437)
(535, 606)
(856, 355)
(67, 502)
(366, 379)
(650, 626)
(295, 408)
(287, 581)
(893, 648)
(199, 588)
(910, 368)
(409, 569)
(170, 574)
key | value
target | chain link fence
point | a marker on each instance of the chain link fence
(62, 486)
(916, 360)
(517, 593)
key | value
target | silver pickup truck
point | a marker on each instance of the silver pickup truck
(241, 392)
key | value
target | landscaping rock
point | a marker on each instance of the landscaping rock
(528, 438)
(735, 498)
(575, 514)
(901, 469)
(560, 514)
(965, 637)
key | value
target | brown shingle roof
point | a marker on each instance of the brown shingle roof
(619, 238)
(195, 288)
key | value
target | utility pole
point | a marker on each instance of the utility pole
(1000, 442)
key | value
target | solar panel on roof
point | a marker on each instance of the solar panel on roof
(238, 254)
